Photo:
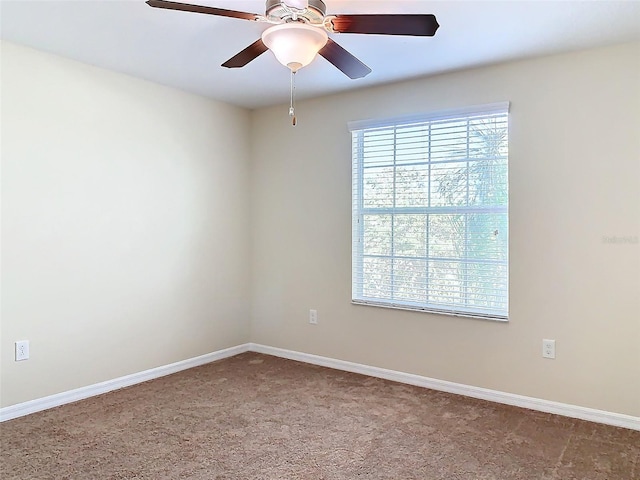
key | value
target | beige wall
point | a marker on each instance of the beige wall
(126, 229)
(574, 179)
(124, 221)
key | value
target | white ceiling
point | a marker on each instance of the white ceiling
(185, 50)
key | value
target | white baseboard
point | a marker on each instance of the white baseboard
(548, 406)
(567, 410)
(39, 404)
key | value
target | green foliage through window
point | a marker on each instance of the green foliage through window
(430, 212)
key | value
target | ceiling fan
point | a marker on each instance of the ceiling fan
(299, 31)
(300, 27)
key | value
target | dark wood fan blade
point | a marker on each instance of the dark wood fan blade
(250, 53)
(344, 61)
(185, 7)
(393, 24)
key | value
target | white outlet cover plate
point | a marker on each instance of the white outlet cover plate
(549, 348)
(22, 350)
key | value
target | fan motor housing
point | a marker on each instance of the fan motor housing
(277, 10)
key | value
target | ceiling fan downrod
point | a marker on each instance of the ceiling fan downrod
(297, 4)
(279, 11)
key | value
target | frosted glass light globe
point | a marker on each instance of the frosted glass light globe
(294, 44)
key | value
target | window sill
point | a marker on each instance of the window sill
(493, 318)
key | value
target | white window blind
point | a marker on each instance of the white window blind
(430, 212)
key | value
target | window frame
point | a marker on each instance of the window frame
(359, 211)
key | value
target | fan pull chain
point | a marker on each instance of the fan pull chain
(292, 110)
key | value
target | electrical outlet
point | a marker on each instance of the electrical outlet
(22, 350)
(313, 317)
(549, 348)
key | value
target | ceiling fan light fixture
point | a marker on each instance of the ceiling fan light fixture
(295, 44)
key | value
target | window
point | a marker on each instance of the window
(430, 212)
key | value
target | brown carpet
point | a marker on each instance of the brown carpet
(260, 417)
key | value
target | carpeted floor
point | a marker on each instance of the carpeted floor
(260, 417)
